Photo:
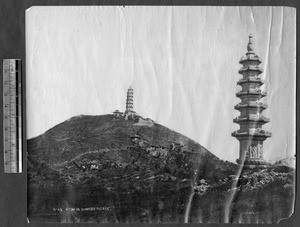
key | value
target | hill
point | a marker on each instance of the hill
(107, 169)
(87, 133)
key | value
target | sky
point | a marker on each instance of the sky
(182, 63)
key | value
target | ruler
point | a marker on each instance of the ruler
(12, 116)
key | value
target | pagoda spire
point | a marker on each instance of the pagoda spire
(250, 46)
(251, 135)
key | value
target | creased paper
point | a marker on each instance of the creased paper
(167, 155)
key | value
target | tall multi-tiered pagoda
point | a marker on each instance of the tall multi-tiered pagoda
(129, 113)
(251, 135)
(129, 100)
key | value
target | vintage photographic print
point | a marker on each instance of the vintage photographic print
(160, 114)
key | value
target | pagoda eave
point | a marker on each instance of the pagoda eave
(251, 120)
(251, 106)
(248, 69)
(249, 80)
(251, 135)
(243, 60)
(249, 93)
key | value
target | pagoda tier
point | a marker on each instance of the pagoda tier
(258, 133)
(251, 135)
(250, 56)
(251, 104)
(250, 68)
(258, 93)
(252, 80)
(262, 119)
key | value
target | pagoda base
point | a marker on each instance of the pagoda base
(256, 163)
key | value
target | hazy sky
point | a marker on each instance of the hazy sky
(182, 63)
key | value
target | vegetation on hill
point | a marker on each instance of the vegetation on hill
(107, 169)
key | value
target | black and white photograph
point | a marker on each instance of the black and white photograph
(160, 114)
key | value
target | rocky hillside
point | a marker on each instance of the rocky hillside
(83, 134)
(289, 162)
(107, 169)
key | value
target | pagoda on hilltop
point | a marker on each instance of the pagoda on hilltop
(251, 135)
(129, 112)
(131, 115)
(129, 100)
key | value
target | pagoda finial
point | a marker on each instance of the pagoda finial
(250, 46)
